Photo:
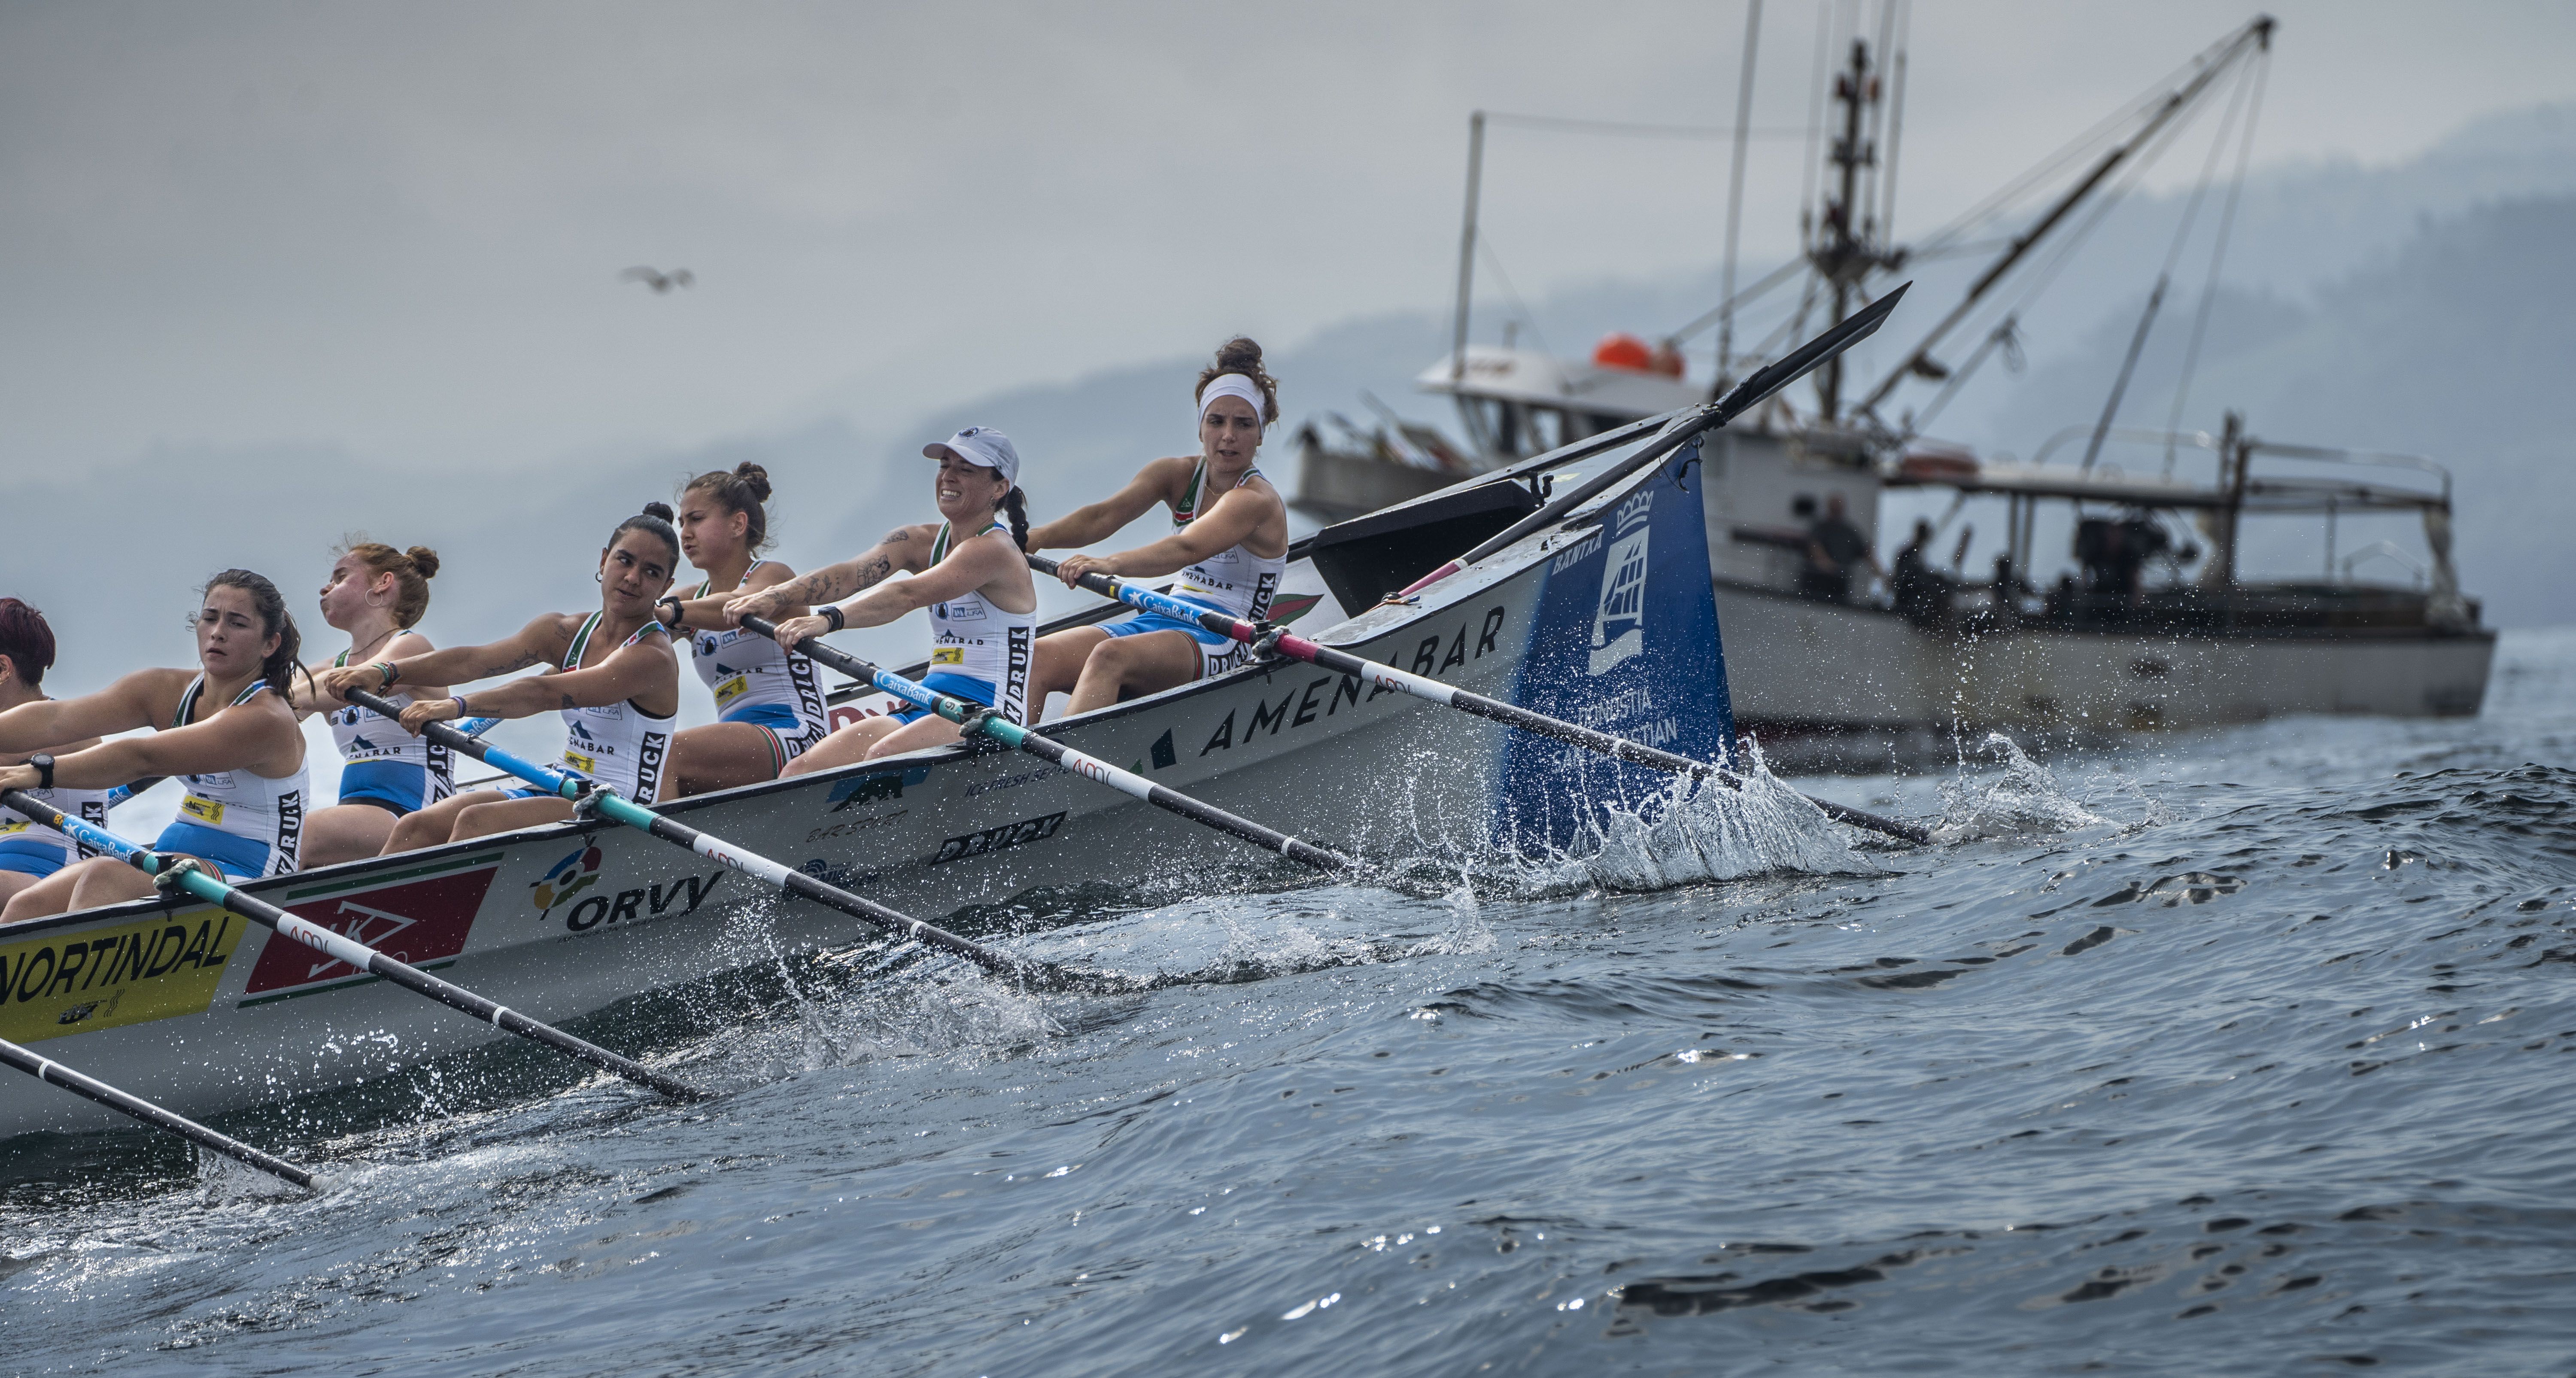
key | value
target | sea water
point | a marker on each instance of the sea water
(2247, 1052)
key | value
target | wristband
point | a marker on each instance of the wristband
(44, 765)
(386, 669)
(674, 605)
(459, 701)
(832, 613)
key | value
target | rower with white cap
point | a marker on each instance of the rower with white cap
(968, 569)
(1229, 544)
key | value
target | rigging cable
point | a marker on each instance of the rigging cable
(1735, 192)
(2217, 256)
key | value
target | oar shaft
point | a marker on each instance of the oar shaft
(1418, 686)
(47, 1070)
(206, 887)
(620, 809)
(1064, 757)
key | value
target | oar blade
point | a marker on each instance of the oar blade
(1787, 369)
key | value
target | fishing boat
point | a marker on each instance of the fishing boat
(2157, 624)
(1602, 615)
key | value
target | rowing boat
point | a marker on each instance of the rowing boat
(1604, 617)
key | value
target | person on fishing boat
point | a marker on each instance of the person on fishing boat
(970, 570)
(376, 594)
(1229, 544)
(30, 851)
(611, 673)
(225, 728)
(769, 700)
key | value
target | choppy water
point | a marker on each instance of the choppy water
(2244, 1054)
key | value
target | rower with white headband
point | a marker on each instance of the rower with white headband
(1228, 544)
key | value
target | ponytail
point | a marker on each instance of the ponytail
(273, 621)
(1016, 503)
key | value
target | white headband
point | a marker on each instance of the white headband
(1232, 385)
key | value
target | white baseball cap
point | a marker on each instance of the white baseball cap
(981, 445)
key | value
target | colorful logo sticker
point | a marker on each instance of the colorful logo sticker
(568, 877)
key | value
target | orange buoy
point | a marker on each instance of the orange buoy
(1619, 349)
(1667, 360)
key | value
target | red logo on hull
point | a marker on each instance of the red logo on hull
(418, 922)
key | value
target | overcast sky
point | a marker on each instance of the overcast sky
(397, 230)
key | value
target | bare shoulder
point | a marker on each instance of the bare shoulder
(770, 574)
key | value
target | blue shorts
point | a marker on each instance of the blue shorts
(396, 786)
(954, 686)
(32, 856)
(1145, 622)
(790, 736)
(234, 855)
(778, 716)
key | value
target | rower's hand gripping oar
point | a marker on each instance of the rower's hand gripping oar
(47, 1070)
(168, 876)
(975, 717)
(584, 795)
(1422, 687)
(1741, 398)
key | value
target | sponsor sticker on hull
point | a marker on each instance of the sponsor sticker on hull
(423, 922)
(102, 978)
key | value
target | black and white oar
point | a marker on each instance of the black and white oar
(618, 808)
(1422, 687)
(206, 886)
(1741, 398)
(974, 718)
(45, 1069)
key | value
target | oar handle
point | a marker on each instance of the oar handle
(1423, 687)
(45, 1069)
(618, 808)
(340, 947)
(1057, 753)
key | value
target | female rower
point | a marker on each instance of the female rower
(769, 700)
(376, 594)
(1229, 543)
(612, 673)
(968, 570)
(224, 727)
(30, 851)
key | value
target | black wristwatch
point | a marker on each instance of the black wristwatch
(44, 765)
(832, 613)
(674, 605)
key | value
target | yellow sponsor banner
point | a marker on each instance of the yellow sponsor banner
(581, 763)
(947, 655)
(729, 690)
(101, 978)
(206, 811)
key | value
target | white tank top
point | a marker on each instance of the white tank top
(87, 805)
(618, 745)
(747, 672)
(252, 807)
(367, 737)
(1234, 579)
(969, 636)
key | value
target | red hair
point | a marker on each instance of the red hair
(26, 641)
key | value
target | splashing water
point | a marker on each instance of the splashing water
(1702, 831)
(2023, 799)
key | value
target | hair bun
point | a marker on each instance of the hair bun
(658, 510)
(1239, 355)
(424, 561)
(754, 477)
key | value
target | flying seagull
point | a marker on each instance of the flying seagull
(658, 280)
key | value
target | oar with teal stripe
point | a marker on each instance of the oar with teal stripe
(1008, 733)
(617, 808)
(211, 888)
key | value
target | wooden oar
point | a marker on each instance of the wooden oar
(1421, 687)
(206, 886)
(618, 808)
(1741, 398)
(45, 1069)
(974, 717)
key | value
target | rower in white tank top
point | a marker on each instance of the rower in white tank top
(979, 651)
(1234, 580)
(754, 680)
(248, 825)
(617, 745)
(381, 763)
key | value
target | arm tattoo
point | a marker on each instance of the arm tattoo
(503, 667)
(568, 704)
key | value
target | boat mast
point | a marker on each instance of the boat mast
(1735, 199)
(1467, 245)
(1843, 251)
